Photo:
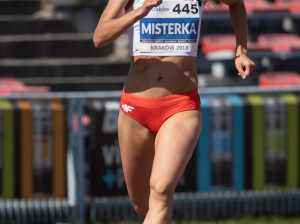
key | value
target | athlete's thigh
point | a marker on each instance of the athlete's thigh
(175, 143)
(137, 152)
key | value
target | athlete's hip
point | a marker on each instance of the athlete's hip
(154, 111)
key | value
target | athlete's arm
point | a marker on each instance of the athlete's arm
(111, 25)
(238, 16)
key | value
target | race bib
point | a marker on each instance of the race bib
(173, 26)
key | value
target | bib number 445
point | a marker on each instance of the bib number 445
(186, 9)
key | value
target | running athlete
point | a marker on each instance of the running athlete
(160, 116)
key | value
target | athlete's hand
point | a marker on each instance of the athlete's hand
(244, 65)
(149, 4)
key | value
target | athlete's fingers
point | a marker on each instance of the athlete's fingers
(157, 2)
(248, 67)
(244, 66)
(152, 3)
(252, 66)
(240, 69)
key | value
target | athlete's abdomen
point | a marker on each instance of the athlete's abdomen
(154, 76)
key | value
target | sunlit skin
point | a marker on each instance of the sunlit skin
(153, 164)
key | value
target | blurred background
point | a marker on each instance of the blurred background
(59, 103)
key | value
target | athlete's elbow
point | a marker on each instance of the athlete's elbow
(97, 42)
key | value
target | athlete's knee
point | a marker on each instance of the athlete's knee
(161, 190)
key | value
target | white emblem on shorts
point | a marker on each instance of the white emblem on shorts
(127, 108)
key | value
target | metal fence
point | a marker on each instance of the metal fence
(186, 206)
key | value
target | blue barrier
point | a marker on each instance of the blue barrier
(226, 143)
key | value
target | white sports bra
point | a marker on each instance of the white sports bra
(171, 29)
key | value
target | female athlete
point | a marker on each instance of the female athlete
(160, 116)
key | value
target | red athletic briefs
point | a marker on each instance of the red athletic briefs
(153, 112)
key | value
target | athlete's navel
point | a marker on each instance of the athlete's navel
(159, 78)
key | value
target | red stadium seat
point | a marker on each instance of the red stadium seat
(253, 46)
(263, 6)
(211, 43)
(278, 79)
(279, 42)
(292, 5)
(11, 85)
(4, 92)
(221, 42)
(252, 6)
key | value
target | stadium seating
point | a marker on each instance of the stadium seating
(37, 45)
(216, 8)
(212, 43)
(292, 5)
(257, 6)
(11, 85)
(222, 42)
(279, 79)
(273, 36)
(8, 7)
(265, 42)
(280, 42)
(282, 50)
(263, 6)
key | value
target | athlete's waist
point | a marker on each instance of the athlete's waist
(152, 90)
(160, 62)
(191, 94)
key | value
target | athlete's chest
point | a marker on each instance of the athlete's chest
(173, 26)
